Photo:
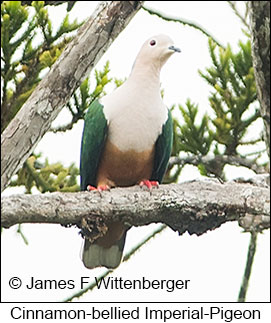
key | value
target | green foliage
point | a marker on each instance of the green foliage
(101, 80)
(232, 79)
(191, 137)
(84, 96)
(46, 177)
(29, 45)
(221, 132)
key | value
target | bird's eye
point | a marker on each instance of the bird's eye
(152, 42)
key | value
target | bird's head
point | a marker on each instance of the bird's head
(156, 51)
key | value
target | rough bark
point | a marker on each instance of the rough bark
(260, 32)
(35, 117)
(195, 207)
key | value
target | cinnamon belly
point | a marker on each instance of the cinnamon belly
(118, 168)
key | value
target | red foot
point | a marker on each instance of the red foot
(149, 184)
(100, 188)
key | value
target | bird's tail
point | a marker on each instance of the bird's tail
(98, 254)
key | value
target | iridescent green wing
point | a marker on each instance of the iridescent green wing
(93, 140)
(163, 148)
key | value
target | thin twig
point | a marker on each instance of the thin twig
(181, 21)
(218, 159)
(247, 273)
(258, 152)
(238, 14)
(126, 257)
(20, 232)
(89, 287)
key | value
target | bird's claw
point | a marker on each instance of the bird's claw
(149, 184)
(99, 189)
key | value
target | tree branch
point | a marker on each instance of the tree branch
(218, 161)
(260, 32)
(182, 21)
(35, 117)
(238, 14)
(195, 207)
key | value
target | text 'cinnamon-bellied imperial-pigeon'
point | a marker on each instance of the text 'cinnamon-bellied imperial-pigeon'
(127, 140)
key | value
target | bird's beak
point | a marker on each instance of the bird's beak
(175, 49)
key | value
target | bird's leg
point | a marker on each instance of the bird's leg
(149, 184)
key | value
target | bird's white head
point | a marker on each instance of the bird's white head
(155, 52)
